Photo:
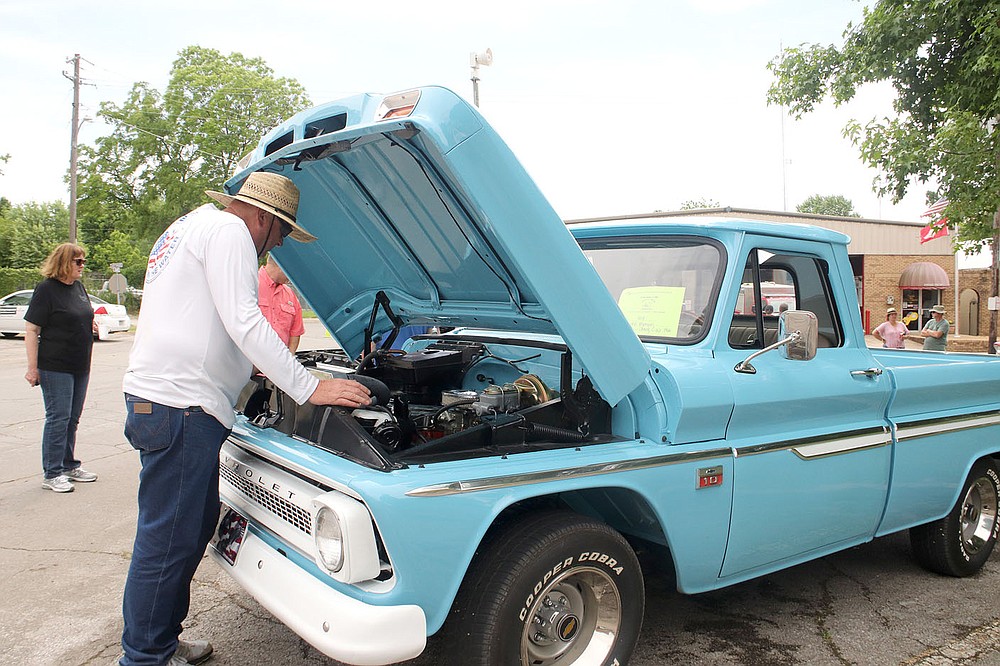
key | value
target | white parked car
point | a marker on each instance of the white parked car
(108, 317)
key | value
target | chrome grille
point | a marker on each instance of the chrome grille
(293, 515)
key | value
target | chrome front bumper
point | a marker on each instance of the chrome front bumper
(339, 626)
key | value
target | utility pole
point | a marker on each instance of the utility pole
(995, 280)
(784, 160)
(72, 149)
(784, 163)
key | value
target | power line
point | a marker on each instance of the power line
(162, 138)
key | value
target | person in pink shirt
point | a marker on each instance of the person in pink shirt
(279, 304)
(891, 332)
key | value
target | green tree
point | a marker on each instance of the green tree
(167, 148)
(119, 248)
(692, 204)
(943, 60)
(7, 231)
(28, 232)
(828, 205)
(4, 159)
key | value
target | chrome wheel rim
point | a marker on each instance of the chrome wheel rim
(575, 620)
(979, 515)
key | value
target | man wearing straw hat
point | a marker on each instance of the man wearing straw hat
(200, 331)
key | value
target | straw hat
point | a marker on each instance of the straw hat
(890, 311)
(938, 309)
(272, 193)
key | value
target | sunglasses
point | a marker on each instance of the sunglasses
(285, 228)
(80, 262)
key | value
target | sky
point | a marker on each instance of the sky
(614, 107)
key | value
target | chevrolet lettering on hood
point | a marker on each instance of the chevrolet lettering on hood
(550, 400)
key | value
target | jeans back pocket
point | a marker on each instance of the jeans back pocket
(147, 424)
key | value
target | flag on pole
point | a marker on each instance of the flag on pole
(936, 209)
(932, 231)
(939, 225)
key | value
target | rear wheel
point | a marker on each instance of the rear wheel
(960, 543)
(555, 588)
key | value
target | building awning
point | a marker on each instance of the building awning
(923, 275)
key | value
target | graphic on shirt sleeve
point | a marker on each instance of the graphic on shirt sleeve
(164, 248)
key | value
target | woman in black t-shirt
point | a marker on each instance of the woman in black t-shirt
(59, 337)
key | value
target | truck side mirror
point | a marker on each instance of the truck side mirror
(803, 348)
(798, 334)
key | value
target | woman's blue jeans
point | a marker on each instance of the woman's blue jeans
(178, 512)
(64, 394)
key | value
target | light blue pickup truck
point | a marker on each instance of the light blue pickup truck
(589, 392)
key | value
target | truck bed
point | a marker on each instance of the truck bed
(934, 384)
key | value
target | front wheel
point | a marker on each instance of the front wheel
(960, 543)
(555, 588)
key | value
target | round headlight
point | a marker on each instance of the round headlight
(329, 539)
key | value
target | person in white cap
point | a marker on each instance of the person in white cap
(199, 333)
(891, 332)
(935, 331)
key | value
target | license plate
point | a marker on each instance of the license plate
(229, 534)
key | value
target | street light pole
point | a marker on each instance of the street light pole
(484, 58)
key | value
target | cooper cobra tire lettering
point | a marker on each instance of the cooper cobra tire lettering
(601, 558)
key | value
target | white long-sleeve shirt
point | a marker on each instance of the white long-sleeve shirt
(200, 330)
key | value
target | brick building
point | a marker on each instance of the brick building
(891, 267)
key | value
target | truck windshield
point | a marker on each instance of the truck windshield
(665, 286)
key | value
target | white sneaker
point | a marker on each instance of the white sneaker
(59, 484)
(193, 652)
(80, 475)
(174, 661)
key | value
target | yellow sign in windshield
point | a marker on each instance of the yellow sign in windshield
(653, 311)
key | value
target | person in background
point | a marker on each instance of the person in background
(891, 332)
(407, 332)
(404, 335)
(935, 331)
(279, 304)
(200, 332)
(59, 338)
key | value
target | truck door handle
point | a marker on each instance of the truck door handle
(870, 372)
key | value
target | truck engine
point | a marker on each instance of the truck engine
(437, 403)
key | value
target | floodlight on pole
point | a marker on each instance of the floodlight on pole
(484, 58)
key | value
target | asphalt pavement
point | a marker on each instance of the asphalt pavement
(64, 557)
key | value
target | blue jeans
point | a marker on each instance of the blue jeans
(64, 394)
(178, 511)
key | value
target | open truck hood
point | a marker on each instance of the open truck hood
(414, 195)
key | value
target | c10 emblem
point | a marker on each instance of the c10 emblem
(709, 476)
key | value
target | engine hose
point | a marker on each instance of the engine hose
(457, 403)
(363, 363)
(538, 431)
